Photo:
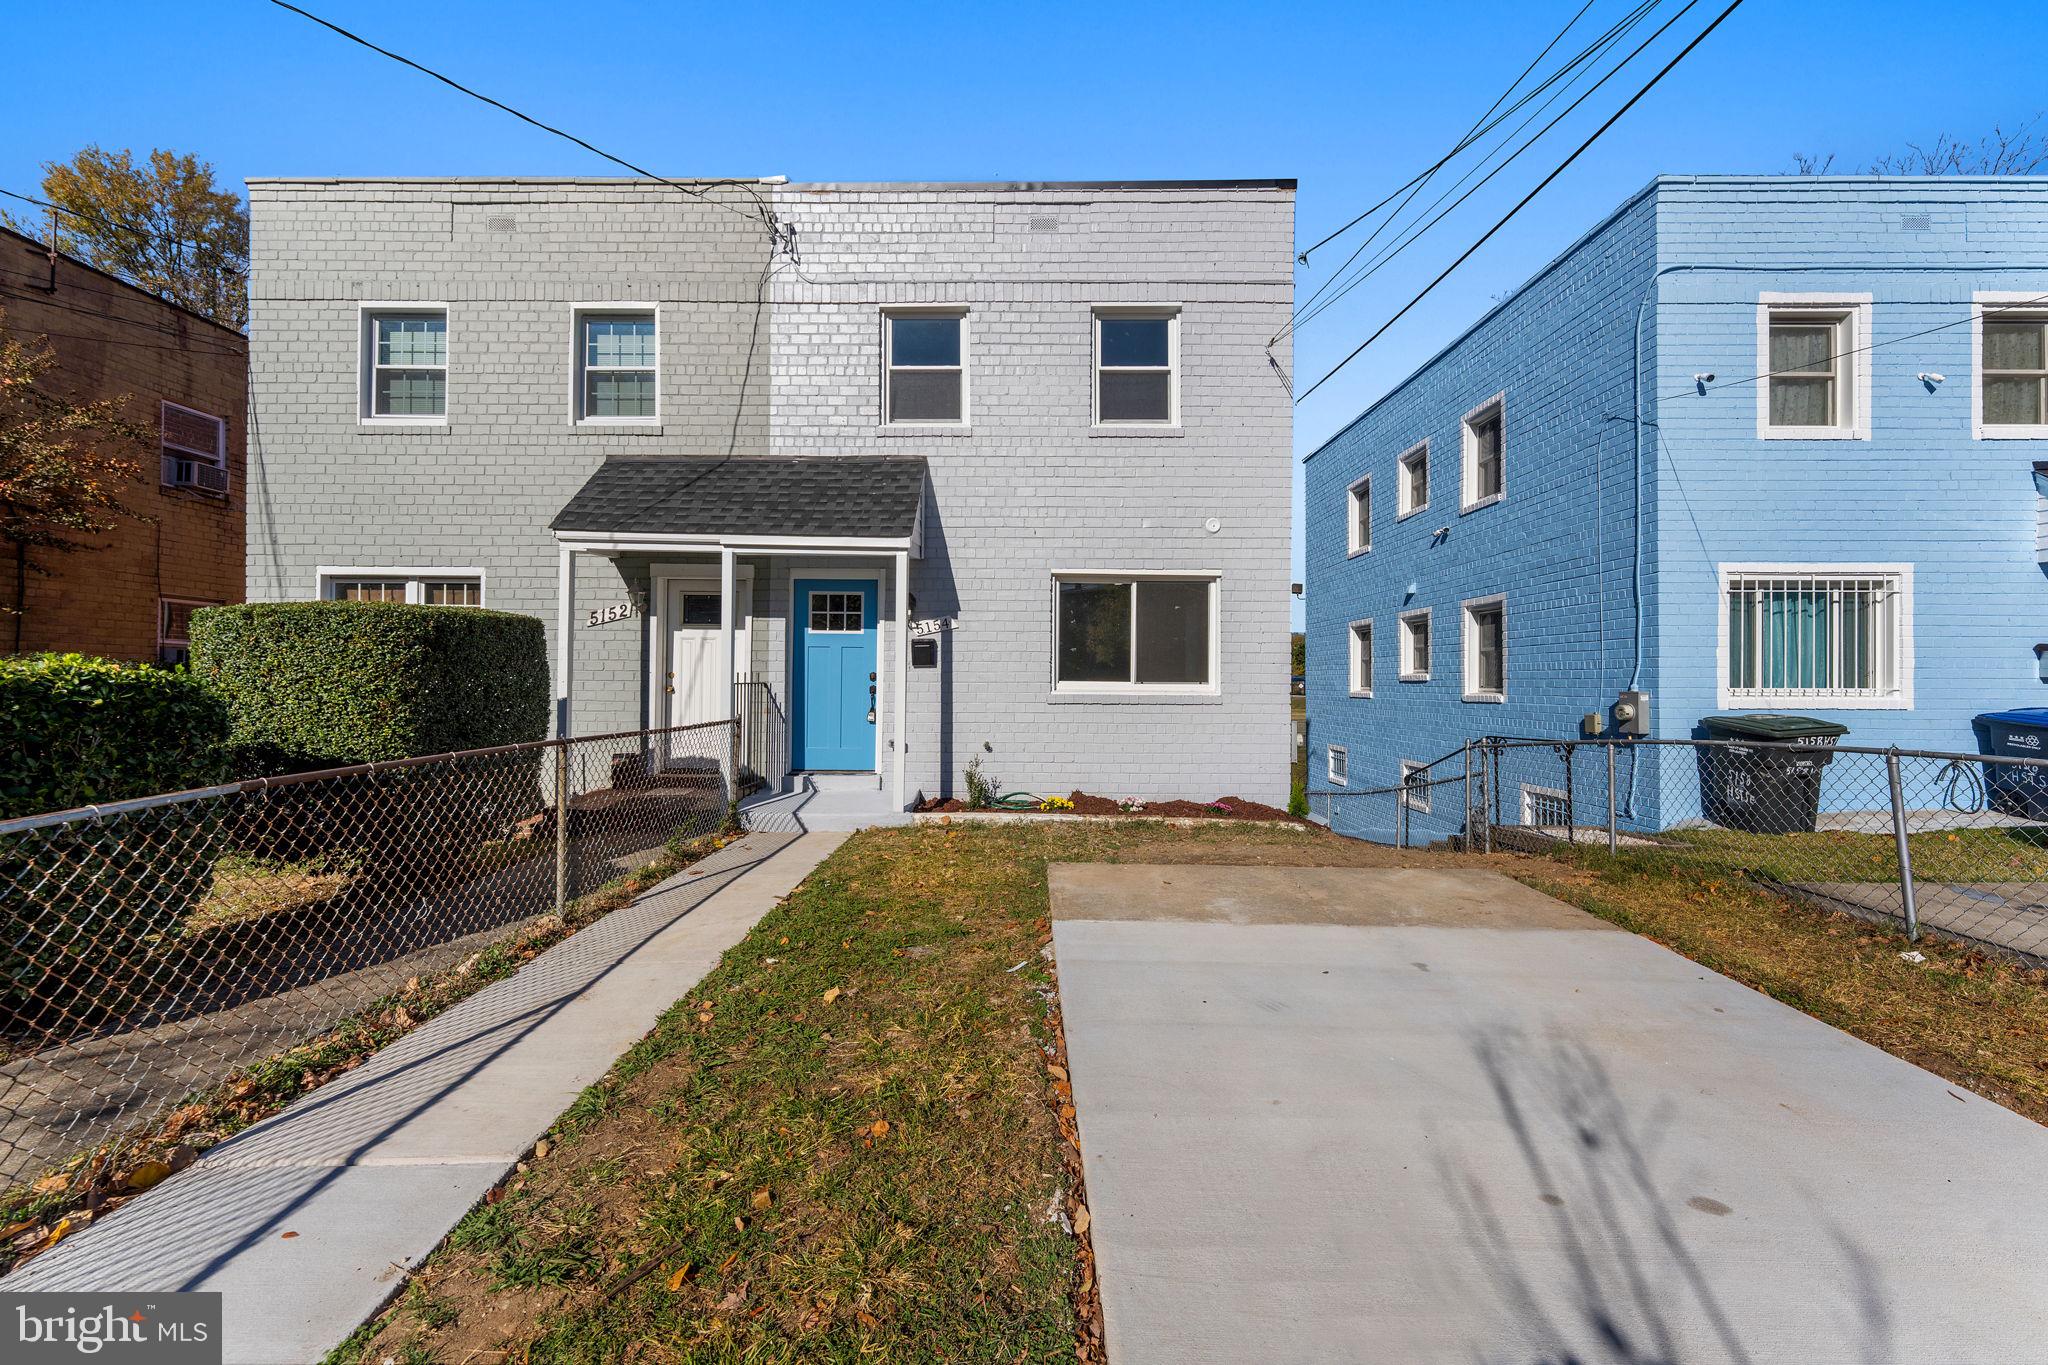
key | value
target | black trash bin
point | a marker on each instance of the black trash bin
(2015, 788)
(1766, 790)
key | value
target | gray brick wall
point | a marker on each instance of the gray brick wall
(1027, 491)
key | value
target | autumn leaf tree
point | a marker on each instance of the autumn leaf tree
(62, 464)
(164, 226)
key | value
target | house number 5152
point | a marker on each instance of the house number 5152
(617, 611)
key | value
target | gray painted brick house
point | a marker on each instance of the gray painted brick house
(1046, 408)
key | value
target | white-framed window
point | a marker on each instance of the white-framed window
(1411, 481)
(405, 363)
(1546, 807)
(1415, 646)
(1811, 351)
(1358, 516)
(2009, 398)
(1483, 478)
(1414, 785)
(617, 364)
(194, 446)
(1135, 632)
(1337, 765)
(1361, 658)
(174, 627)
(924, 366)
(1820, 635)
(1485, 632)
(1137, 366)
(421, 587)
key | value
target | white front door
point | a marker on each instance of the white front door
(693, 620)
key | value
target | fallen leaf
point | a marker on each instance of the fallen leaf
(286, 1236)
(13, 1230)
(542, 1148)
(727, 1263)
(762, 1199)
(1058, 1073)
(704, 1016)
(880, 1128)
(50, 1184)
(148, 1174)
(1082, 1218)
(832, 995)
(675, 1281)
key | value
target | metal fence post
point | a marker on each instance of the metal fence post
(1612, 842)
(1571, 810)
(562, 828)
(1492, 792)
(1891, 769)
(1401, 815)
(1467, 826)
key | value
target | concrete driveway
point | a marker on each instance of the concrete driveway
(1413, 1115)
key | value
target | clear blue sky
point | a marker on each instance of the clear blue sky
(1350, 99)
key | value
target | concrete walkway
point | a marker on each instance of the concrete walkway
(1411, 1115)
(309, 1221)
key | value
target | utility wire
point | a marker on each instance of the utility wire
(1465, 142)
(2022, 306)
(762, 211)
(1523, 203)
(154, 238)
(1388, 253)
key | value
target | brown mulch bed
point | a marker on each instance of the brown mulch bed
(1222, 808)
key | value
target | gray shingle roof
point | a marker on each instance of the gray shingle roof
(832, 496)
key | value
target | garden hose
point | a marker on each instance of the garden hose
(1016, 801)
(1959, 779)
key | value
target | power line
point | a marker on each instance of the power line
(1471, 135)
(1387, 254)
(763, 213)
(2022, 306)
(1523, 203)
(154, 238)
(41, 300)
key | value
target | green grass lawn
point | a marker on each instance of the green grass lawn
(844, 1145)
(2015, 854)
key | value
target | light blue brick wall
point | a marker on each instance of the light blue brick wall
(1922, 490)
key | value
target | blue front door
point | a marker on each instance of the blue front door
(835, 675)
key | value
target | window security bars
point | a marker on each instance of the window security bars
(1812, 639)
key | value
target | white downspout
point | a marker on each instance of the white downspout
(728, 615)
(565, 640)
(902, 674)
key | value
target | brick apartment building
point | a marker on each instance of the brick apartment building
(186, 378)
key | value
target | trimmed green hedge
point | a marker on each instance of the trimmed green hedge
(76, 731)
(325, 684)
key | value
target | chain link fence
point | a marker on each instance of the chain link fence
(1956, 843)
(148, 948)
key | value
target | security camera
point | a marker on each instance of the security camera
(1706, 378)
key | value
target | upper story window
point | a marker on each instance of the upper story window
(1811, 352)
(405, 377)
(1134, 634)
(925, 367)
(618, 367)
(1361, 658)
(1415, 646)
(1358, 516)
(1411, 482)
(1835, 635)
(421, 587)
(1486, 649)
(194, 445)
(1483, 480)
(2012, 350)
(1137, 359)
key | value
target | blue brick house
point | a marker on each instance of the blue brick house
(1750, 444)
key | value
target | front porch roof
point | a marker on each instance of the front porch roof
(858, 501)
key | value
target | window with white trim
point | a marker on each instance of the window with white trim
(618, 366)
(1411, 481)
(1415, 785)
(406, 365)
(1816, 635)
(1486, 649)
(1546, 807)
(1137, 363)
(925, 367)
(1483, 479)
(426, 587)
(1361, 658)
(194, 446)
(1134, 634)
(1358, 515)
(174, 628)
(1810, 352)
(2014, 376)
(1415, 646)
(1337, 765)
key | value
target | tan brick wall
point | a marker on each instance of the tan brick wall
(113, 340)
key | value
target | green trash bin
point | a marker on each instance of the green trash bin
(1772, 784)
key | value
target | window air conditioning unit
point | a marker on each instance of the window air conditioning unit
(195, 450)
